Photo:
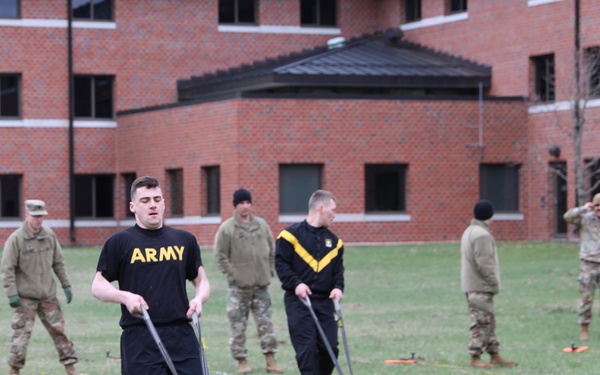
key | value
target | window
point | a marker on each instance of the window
(297, 182)
(212, 177)
(544, 78)
(413, 10)
(592, 71)
(385, 188)
(318, 12)
(9, 8)
(128, 179)
(499, 183)
(457, 6)
(101, 10)
(237, 11)
(94, 96)
(9, 95)
(10, 195)
(94, 196)
(175, 198)
(593, 172)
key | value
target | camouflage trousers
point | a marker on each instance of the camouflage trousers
(589, 280)
(22, 324)
(483, 324)
(239, 304)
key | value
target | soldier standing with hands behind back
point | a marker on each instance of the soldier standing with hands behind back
(30, 255)
(245, 253)
(587, 219)
(480, 281)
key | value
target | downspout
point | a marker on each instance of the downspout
(577, 113)
(71, 130)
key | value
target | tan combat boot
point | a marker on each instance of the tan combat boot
(13, 371)
(499, 361)
(272, 364)
(71, 370)
(243, 367)
(585, 332)
(478, 363)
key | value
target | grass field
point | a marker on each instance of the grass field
(398, 300)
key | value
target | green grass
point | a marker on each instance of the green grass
(399, 299)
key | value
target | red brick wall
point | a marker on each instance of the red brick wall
(343, 135)
(157, 42)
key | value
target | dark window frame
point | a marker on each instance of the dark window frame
(324, 13)
(544, 78)
(500, 184)
(457, 6)
(212, 184)
(413, 10)
(592, 71)
(98, 103)
(17, 9)
(128, 179)
(297, 182)
(94, 196)
(10, 196)
(92, 11)
(238, 16)
(176, 192)
(592, 174)
(10, 100)
(385, 188)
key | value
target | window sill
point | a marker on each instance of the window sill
(560, 106)
(352, 218)
(57, 23)
(533, 3)
(516, 216)
(277, 29)
(435, 21)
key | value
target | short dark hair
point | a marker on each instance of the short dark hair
(146, 181)
(320, 197)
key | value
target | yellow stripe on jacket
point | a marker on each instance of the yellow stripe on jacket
(305, 255)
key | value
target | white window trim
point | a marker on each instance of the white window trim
(279, 29)
(561, 106)
(533, 3)
(57, 123)
(62, 24)
(435, 21)
(508, 217)
(352, 218)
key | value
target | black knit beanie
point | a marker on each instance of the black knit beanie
(241, 195)
(483, 210)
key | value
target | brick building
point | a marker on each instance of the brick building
(418, 110)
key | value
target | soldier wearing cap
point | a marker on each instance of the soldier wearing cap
(587, 219)
(480, 281)
(30, 255)
(245, 253)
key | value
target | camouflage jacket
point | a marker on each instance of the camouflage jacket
(589, 224)
(28, 263)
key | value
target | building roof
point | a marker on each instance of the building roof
(380, 60)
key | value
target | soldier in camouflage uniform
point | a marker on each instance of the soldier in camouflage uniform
(30, 255)
(587, 219)
(480, 281)
(245, 253)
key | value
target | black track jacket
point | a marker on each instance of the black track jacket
(314, 256)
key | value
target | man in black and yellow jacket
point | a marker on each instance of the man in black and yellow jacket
(309, 262)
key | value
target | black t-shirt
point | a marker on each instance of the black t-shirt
(154, 264)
